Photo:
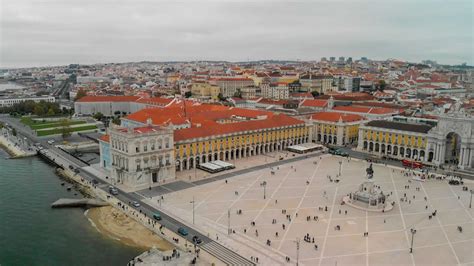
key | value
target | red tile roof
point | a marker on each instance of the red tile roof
(156, 101)
(335, 117)
(206, 119)
(141, 130)
(314, 103)
(220, 129)
(105, 138)
(352, 96)
(108, 99)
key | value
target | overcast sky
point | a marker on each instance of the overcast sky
(57, 32)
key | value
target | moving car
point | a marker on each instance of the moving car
(157, 216)
(338, 152)
(412, 164)
(135, 204)
(196, 240)
(182, 231)
(113, 190)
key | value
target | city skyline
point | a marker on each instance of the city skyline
(55, 33)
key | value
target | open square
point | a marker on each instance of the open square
(300, 202)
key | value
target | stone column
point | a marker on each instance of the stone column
(461, 157)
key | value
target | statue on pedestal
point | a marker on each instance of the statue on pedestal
(370, 172)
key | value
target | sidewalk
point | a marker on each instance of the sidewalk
(13, 149)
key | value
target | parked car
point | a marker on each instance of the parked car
(157, 216)
(182, 231)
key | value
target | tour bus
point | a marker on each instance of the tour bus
(412, 164)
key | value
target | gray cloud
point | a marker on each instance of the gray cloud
(50, 32)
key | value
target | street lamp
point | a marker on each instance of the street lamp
(470, 202)
(193, 207)
(340, 165)
(228, 222)
(413, 232)
(297, 241)
(264, 185)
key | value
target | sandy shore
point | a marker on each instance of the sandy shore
(115, 224)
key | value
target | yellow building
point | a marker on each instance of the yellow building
(394, 139)
(259, 139)
(336, 128)
(204, 89)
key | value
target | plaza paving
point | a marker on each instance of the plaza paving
(303, 189)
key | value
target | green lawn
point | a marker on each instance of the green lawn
(58, 130)
(55, 124)
(38, 124)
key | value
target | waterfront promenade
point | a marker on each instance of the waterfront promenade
(233, 249)
(215, 252)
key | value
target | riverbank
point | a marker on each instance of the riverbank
(11, 149)
(117, 225)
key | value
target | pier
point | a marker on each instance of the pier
(68, 203)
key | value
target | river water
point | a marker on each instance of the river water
(31, 233)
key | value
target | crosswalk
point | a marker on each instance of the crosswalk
(224, 254)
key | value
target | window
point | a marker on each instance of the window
(138, 166)
(137, 149)
(145, 148)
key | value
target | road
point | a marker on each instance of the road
(65, 159)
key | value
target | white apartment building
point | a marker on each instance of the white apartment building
(275, 91)
(7, 102)
(140, 157)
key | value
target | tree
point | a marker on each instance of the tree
(116, 120)
(221, 97)
(238, 94)
(188, 94)
(38, 110)
(382, 85)
(315, 94)
(80, 94)
(50, 112)
(98, 116)
(65, 128)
